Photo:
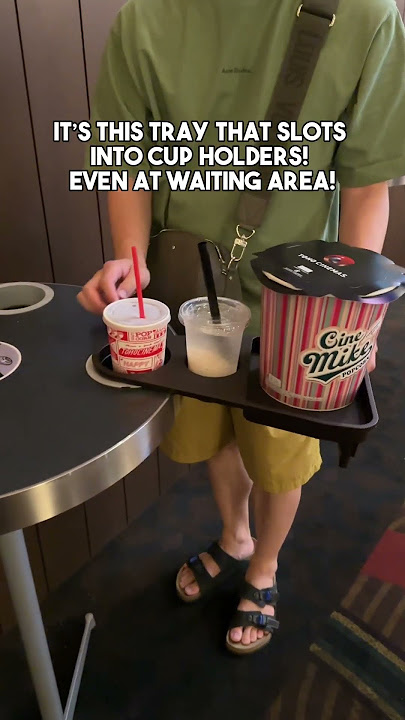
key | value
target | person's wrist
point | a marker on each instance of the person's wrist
(126, 254)
(142, 261)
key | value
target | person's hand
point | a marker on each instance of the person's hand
(373, 359)
(114, 281)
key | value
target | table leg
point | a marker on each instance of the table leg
(77, 675)
(22, 589)
(17, 568)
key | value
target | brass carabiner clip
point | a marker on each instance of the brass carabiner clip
(239, 247)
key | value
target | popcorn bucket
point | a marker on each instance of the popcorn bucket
(314, 348)
(314, 351)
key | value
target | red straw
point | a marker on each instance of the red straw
(138, 282)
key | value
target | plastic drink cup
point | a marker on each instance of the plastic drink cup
(213, 349)
(137, 344)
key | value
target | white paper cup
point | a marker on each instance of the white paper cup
(213, 349)
(137, 344)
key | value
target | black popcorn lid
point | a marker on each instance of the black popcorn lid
(319, 268)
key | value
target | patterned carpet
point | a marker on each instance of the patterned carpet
(356, 667)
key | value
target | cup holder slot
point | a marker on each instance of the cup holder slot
(22, 297)
(103, 363)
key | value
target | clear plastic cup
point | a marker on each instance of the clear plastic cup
(137, 344)
(213, 349)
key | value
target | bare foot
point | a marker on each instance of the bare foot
(249, 635)
(237, 549)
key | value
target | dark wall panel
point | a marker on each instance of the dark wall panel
(97, 20)
(24, 253)
(64, 545)
(52, 42)
(142, 487)
(106, 516)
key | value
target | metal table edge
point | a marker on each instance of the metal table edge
(56, 495)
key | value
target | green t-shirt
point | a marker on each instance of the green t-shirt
(216, 60)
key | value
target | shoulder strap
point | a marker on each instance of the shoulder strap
(310, 30)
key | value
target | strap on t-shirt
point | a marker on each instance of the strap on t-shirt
(310, 30)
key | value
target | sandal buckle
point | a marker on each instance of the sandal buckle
(261, 620)
(268, 596)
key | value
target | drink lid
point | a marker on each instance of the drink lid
(233, 314)
(319, 269)
(125, 313)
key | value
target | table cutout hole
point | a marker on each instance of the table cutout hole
(22, 297)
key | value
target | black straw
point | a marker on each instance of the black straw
(209, 282)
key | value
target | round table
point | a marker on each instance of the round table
(64, 438)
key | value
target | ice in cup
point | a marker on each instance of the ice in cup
(213, 349)
(137, 344)
(323, 306)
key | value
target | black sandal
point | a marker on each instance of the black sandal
(251, 618)
(228, 567)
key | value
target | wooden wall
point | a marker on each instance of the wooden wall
(49, 57)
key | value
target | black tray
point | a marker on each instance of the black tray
(347, 427)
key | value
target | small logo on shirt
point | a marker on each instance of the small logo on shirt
(236, 70)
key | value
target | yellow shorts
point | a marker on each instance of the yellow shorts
(276, 460)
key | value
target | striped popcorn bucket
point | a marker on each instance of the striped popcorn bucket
(314, 350)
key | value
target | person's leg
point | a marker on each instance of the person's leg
(274, 516)
(231, 488)
(204, 432)
(279, 463)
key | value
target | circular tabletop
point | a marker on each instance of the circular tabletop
(64, 437)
